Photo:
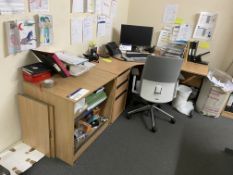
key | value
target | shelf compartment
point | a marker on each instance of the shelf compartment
(90, 139)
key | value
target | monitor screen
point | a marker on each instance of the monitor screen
(136, 35)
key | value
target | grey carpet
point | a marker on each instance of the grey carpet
(190, 147)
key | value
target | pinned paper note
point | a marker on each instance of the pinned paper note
(39, 5)
(78, 6)
(204, 45)
(98, 6)
(76, 31)
(179, 21)
(205, 26)
(90, 6)
(101, 26)
(185, 33)
(170, 13)
(106, 7)
(88, 29)
(11, 7)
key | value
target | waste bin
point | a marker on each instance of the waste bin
(181, 102)
(214, 93)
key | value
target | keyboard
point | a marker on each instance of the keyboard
(135, 59)
(136, 54)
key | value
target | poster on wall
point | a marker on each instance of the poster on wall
(39, 5)
(12, 37)
(46, 29)
(27, 34)
(11, 6)
(205, 26)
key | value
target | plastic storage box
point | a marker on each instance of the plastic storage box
(213, 95)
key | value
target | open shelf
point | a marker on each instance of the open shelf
(77, 144)
(88, 141)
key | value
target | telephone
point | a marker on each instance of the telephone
(92, 55)
(113, 49)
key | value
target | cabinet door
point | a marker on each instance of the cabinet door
(37, 124)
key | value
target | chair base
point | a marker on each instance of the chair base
(151, 108)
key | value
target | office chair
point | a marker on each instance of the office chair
(158, 85)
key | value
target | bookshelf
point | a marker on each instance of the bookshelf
(63, 112)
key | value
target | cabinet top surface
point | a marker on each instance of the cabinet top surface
(91, 80)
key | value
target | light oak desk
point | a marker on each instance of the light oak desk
(48, 117)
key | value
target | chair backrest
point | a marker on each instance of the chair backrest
(159, 78)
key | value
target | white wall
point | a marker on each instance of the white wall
(150, 12)
(10, 75)
(229, 58)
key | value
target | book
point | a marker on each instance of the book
(36, 68)
(12, 37)
(51, 60)
(27, 34)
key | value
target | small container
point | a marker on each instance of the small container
(48, 83)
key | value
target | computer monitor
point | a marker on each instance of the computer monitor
(136, 35)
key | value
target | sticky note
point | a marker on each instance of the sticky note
(204, 45)
(108, 60)
(179, 21)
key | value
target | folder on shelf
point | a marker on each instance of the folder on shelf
(95, 99)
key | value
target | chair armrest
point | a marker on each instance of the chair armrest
(135, 73)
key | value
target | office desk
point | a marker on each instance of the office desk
(47, 114)
(118, 66)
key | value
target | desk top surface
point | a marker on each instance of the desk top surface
(118, 66)
(194, 68)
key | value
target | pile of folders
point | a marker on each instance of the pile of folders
(48, 64)
(36, 72)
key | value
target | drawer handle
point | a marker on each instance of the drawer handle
(123, 73)
(121, 94)
(122, 83)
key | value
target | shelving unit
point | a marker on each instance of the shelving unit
(63, 111)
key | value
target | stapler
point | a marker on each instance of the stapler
(198, 58)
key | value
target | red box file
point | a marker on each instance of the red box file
(36, 78)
